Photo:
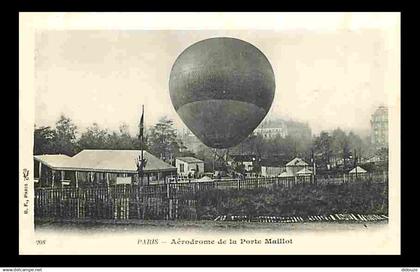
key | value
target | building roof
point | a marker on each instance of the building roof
(54, 160)
(110, 161)
(304, 171)
(204, 179)
(189, 159)
(297, 162)
(359, 170)
(285, 174)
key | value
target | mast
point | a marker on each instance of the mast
(141, 138)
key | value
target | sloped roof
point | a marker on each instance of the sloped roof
(297, 162)
(189, 159)
(111, 161)
(304, 171)
(359, 170)
(285, 174)
(204, 179)
(54, 160)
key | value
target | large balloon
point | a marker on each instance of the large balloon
(222, 88)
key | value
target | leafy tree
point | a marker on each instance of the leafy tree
(323, 147)
(44, 140)
(122, 139)
(356, 144)
(65, 140)
(58, 140)
(163, 140)
(340, 145)
(94, 138)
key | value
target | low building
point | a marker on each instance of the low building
(99, 167)
(296, 165)
(246, 161)
(189, 166)
(272, 171)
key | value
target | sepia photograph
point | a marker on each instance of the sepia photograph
(209, 133)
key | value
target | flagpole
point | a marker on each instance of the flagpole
(142, 143)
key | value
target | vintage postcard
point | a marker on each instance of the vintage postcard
(209, 133)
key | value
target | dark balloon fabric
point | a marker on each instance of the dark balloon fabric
(222, 88)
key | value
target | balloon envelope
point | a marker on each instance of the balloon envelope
(222, 88)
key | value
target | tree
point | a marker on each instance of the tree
(340, 145)
(356, 144)
(323, 146)
(121, 139)
(163, 140)
(58, 140)
(94, 138)
(205, 154)
(44, 140)
(65, 141)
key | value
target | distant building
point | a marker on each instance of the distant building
(379, 127)
(295, 166)
(271, 129)
(248, 161)
(282, 128)
(189, 166)
(373, 159)
(359, 171)
(98, 167)
(273, 167)
(272, 171)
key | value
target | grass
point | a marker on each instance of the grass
(297, 201)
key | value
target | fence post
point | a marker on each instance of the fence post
(170, 209)
(169, 202)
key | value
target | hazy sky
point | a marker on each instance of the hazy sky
(326, 78)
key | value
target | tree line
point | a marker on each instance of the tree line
(66, 138)
(328, 149)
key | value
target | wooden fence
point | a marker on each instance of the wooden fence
(157, 201)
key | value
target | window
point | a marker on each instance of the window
(181, 168)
